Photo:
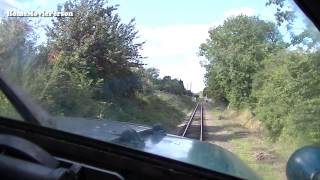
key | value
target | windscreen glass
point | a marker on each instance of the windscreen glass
(245, 72)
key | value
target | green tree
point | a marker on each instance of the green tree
(287, 93)
(173, 86)
(96, 44)
(282, 14)
(234, 51)
(16, 47)
(309, 39)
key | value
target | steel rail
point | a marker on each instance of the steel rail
(201, 122)
(190, 120)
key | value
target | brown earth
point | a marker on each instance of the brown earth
(235, 132)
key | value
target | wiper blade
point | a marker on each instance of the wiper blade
(28, 110)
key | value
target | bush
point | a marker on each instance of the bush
(287, 95)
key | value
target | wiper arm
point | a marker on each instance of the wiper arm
(28, 110)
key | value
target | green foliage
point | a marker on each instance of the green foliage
(214, 89)
(96, 43)
(16, 48)
(306, 88)
(234, 51)
(309, 39)
(272, 92)
(166, 84)
(249, 66)
(288, 96)
(68, 93)
(158, 107)
(6, 109)
(90, 67)
(173, 86)
(149, 79)
(282, 15)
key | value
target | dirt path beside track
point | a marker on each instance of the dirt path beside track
(226, 130)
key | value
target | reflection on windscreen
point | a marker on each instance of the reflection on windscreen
(257, 73)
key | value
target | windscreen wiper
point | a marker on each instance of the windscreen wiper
(28, 110)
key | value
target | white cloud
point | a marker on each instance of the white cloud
(189, 71)
(15, 5)
(24, 5)
(235, 12)
(41, 2)
(173, 40)
(173, 50)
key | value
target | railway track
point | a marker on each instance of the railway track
(194, 127)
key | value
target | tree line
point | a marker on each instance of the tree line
(250, 66)
(87, 61)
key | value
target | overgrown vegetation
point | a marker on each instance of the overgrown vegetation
(250, 66)
(90, 66)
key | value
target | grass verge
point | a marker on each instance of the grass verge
(266, 158)
(163, 108)
(248, 150)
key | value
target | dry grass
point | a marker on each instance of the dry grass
(243, 135)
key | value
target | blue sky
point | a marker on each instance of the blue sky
(172, 29)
